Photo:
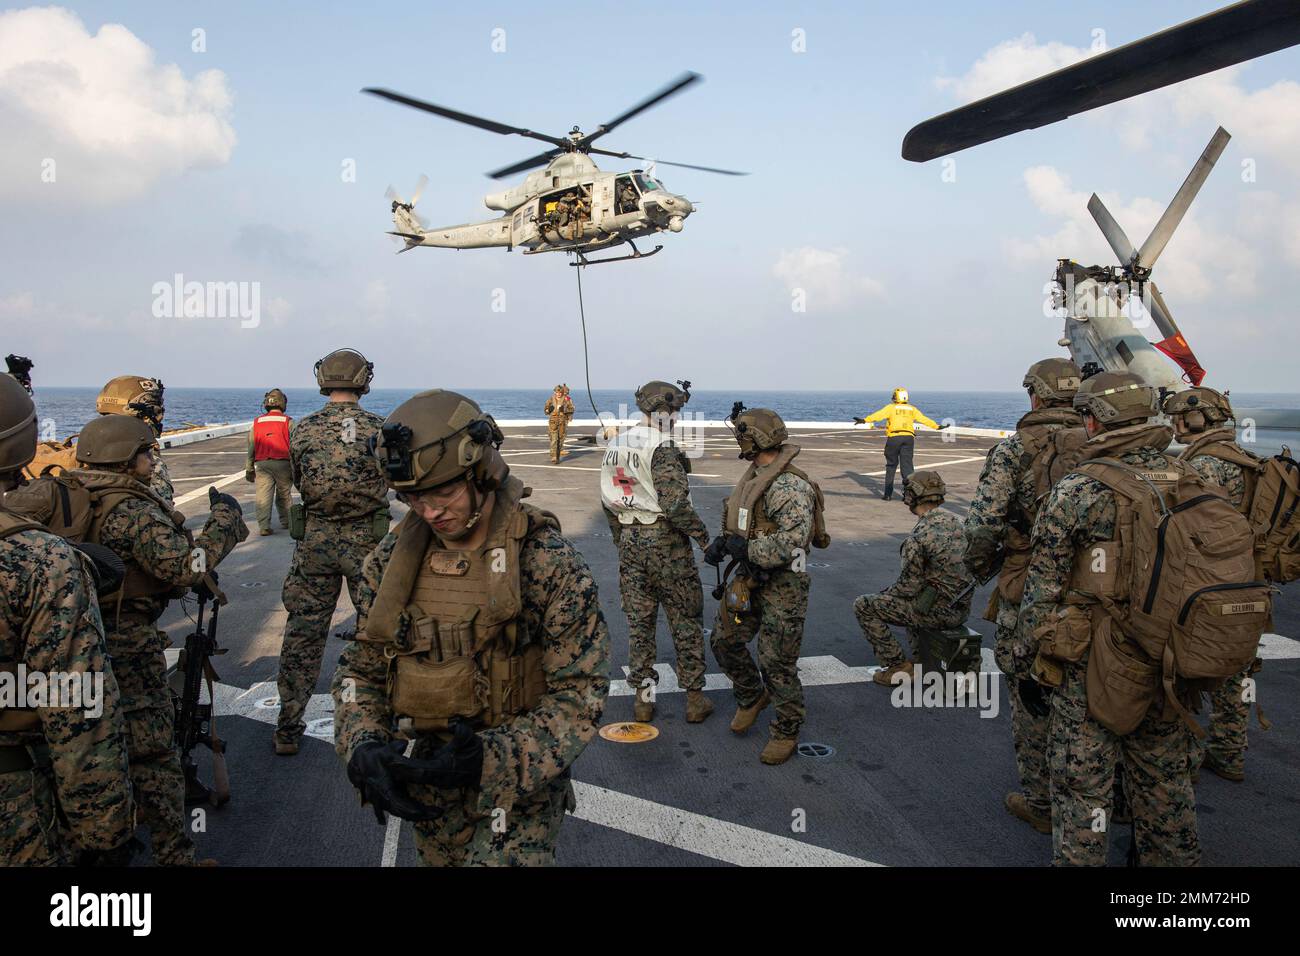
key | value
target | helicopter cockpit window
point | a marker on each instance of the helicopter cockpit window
(646, 183)
(627, 197)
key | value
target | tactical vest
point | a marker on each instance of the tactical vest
(627, 486)
(1049, 437)
(14, 720)
(1171, 603)
(107, 491)
(449, 621)
(745, 512)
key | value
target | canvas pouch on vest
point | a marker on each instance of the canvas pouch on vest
(448, 620)
(1052, 440)
(52, 458)
(743, 511)
(1178, 582)
(15, 719)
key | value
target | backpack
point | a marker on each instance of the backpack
(53, 457)
(1182, 592)
(1270, 505)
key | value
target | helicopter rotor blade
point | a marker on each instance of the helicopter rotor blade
(1155, 305)
(419, 188)
(1174, 343)
(706, 169)
(469, 119)
(1239, 32)
(1164, 229)
(1111, 229)
(676, 86)
(541, 159)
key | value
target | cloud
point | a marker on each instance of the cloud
(270, 245)
(822, 274)
(95, 118)
(1009, 64)
(1199, 260)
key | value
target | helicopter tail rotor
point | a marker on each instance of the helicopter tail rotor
(409, 225)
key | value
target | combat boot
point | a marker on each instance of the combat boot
(1212, 764)
(697, 706)
(285, 748)
(745, 716)
(1019, 807)
(886, 674)
(778, 750)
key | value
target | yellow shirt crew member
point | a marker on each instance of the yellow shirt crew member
(900, 435)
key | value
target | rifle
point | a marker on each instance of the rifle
(196, 722)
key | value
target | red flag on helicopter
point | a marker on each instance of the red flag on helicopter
(1176, 348)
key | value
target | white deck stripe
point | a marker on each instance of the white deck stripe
(928, 464)
(696, 833)
(203, 492)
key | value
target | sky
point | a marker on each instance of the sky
(229, 143)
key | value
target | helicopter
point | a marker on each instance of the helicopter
(1095, 300)
(569, 205)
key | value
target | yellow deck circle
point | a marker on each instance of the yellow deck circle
(629, 732)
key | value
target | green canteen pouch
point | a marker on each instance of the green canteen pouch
(297, 521)
(925, 600)
(379, 524)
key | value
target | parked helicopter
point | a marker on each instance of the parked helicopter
(570, 205)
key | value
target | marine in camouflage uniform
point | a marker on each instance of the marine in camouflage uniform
(1200, 416)
(143, 398)
(1084, 755)
(933, 589)
(1000, 520)
(346, 514)
(653, 528)
(161, 560)
(770, 545)
(491, 788)
(559, 412)
(64, 789)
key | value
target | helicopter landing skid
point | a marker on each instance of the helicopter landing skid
(636, 254)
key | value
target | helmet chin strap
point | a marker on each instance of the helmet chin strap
(475, 506)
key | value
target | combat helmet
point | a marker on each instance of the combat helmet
(17, 425)
(275, 399)
(757, 429)
(437, 437)
(924, 486)
(1053, 380)
(662, 397)
(1116, 398)
(900, 396)
(113, 440)
(1199, 408)
(344, 368)
(133, 395)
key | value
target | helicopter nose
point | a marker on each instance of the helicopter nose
(678, 206)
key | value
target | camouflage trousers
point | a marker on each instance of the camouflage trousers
(274, 483)
(657, 567)
(876, 612)
(157, 780)
(1229, 715)
(29, 831)
(329, 553)
(1084, 756)
(556, 431)
(523, 835)
(777, 616)
(1029, 733)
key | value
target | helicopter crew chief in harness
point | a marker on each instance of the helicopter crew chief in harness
(900, 435)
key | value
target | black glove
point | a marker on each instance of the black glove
(859, 421)
(945, 425)
(716, 551)
(1032, 697)
(457, 763)
(203, 590)
(118, 856)
(221, 498)
(368, 770)
(737, 547)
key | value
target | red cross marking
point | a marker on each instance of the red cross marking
(623, 481)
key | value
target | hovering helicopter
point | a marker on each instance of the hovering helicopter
(570, 205)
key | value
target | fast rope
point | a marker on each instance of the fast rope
(586, 364)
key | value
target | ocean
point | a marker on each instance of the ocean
(70, 408)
